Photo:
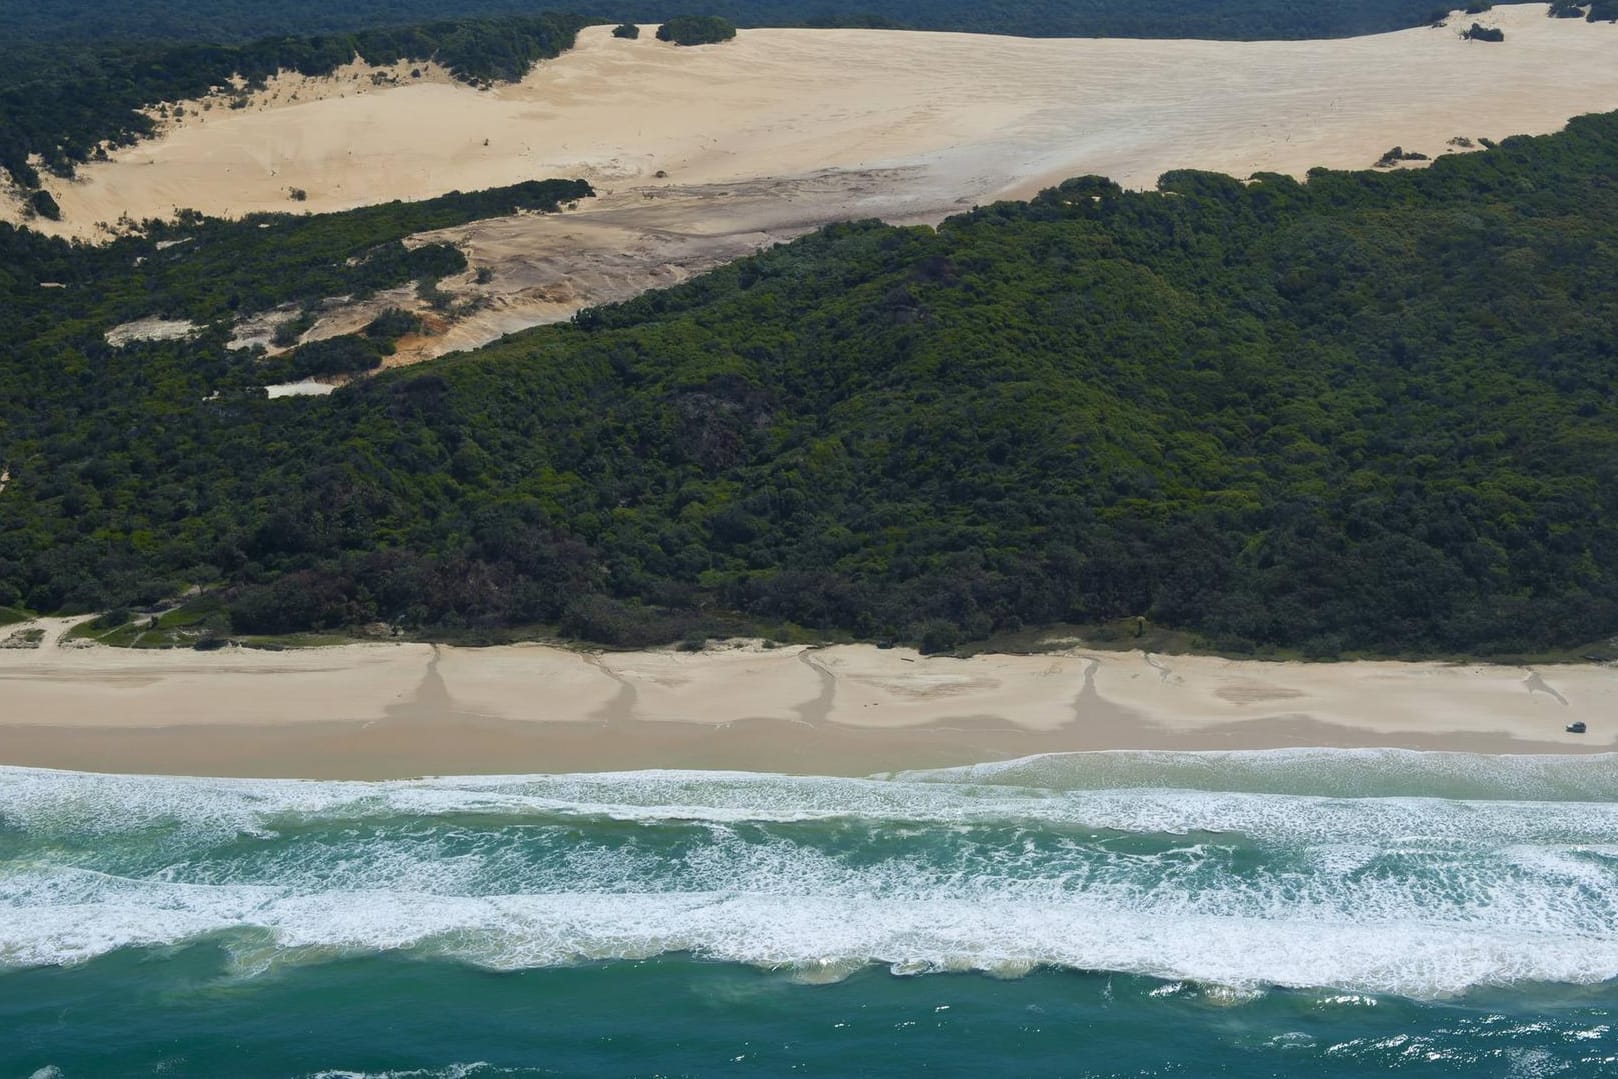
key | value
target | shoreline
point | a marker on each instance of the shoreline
(393, 711)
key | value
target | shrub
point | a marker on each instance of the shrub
(696, 30)
(111, 620)
(626, 30)
(391, 325)
(937, 636)
(42, 204)
(289, 332)
(335, 356)
(1398, 154)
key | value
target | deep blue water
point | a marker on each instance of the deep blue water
(1322, 912)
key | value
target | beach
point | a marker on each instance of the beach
(389, 710)
(1298, 866)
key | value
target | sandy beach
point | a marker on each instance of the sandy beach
(701, 155)
(400, 710)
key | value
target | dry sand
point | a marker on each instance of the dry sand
(779, 131)
(384, 710)
(945, 119)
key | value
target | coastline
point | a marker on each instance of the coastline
(387, 711)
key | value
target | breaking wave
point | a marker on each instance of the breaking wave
(1361, 870)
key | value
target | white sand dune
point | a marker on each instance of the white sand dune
(946, 118)
(779, 131)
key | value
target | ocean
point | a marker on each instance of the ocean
(1295, 912)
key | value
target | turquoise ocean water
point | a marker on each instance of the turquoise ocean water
(1299, 912)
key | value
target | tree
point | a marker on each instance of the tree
(696, 30)
(42, 204)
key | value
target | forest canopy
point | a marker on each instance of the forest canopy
(1372, 412)
(34, 23)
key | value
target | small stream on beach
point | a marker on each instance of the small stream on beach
(1143, 913)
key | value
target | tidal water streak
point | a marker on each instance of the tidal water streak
(1328, 909)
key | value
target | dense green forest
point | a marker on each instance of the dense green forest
(238, 20)
(1372, 412)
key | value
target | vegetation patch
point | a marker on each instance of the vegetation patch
(1398, 154)
(42, 204)
(22, 638)
(197, 623)
(696, 30)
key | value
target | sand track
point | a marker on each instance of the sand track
(779, 131)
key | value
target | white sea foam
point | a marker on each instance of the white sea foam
(958, 871)
(73, 803)
(1345, 773)
(829, 931)
(452, 1071)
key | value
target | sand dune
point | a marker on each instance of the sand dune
(968, 117)
(779, 131)
(373, 710)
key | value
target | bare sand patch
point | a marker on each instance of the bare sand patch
(150, 329)
(306, 388)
